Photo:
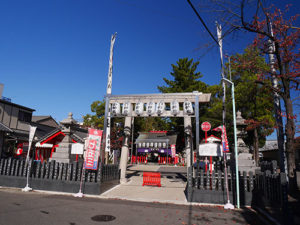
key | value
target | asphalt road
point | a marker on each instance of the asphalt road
(18, 208)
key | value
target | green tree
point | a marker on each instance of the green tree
(185, 78)
(95, 120)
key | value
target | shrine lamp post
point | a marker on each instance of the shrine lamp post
(235, 143)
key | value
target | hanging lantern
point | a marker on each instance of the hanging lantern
(115, 109)
(155, 144)
(160, 107)
(159, 145)
(139, 108)
(188, 107)
(147, 145)
(174, 107)
(144, 144)
(150, 108)
(126, 110)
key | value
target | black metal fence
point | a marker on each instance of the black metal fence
(57, 176)
(211, 187)
(273, 187)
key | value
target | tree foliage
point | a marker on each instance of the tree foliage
(253, 99)
(95, 120)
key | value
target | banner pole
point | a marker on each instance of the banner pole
(28, 165)
(80, 193)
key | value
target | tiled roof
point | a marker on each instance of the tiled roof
(269, 146)
(38, 118)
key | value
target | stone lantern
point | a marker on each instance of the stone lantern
(246, 162)
(63, 152)
(240, 123)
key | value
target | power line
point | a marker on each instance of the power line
(202, 21)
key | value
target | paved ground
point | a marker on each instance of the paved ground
(172, 188)
(34, 208)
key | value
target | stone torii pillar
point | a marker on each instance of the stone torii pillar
(125, 150)
(188, 139)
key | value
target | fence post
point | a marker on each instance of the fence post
(213, 180)
(190, 184)
(288, 217)
(220, 183)
(251, 185)
(207, 180)
(69, 171)
(202, 179)
(274, 166)
(37, 170)
(12, 168)
(56, 168)
(8, 166)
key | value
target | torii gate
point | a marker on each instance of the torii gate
(168, 99)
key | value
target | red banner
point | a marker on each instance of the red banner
(93, 149)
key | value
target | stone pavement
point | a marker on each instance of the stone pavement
(171, 191)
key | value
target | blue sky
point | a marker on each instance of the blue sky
(54, 53)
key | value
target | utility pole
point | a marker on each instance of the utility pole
(277, 106)
(107, 117)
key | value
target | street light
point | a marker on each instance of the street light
(235, 143)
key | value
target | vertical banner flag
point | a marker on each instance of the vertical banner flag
(93, 149)
(224, 137)
(108, 92)
(173, 151)
(31, 135)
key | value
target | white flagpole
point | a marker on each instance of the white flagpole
(108, 93)
(228, 205)
(80, 192)
(28, 165)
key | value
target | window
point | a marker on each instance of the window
(24, 116)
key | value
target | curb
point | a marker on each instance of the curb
(121, 198)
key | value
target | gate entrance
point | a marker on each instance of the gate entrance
(155, 105)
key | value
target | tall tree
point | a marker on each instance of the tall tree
(185, 78)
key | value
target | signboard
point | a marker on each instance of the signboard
(205, 126)
(173, 150)
(77, 149)
(93, 149)
(210, 149)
